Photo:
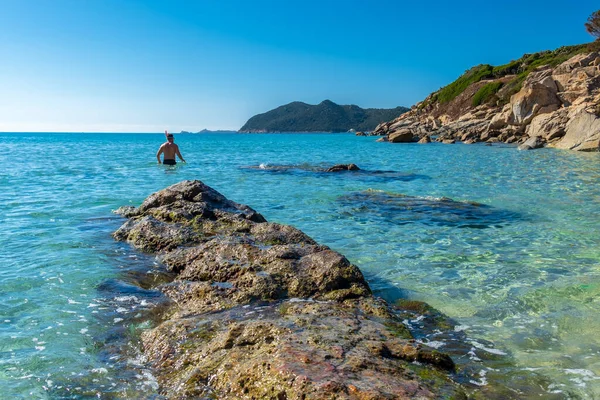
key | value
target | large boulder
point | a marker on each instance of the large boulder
(293, 350)
(532, 143)
(549, 126)
(260, 310)
(582, 133)
(502, 118)
(532, 100)
(404, 135)
(577, 77)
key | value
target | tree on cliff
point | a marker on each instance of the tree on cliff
(593, 24)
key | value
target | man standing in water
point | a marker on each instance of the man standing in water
(169, 149)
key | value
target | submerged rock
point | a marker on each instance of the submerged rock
(343, 167)
(319, 170)
(400, 209)
(263, 311)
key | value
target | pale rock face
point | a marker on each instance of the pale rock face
(548, 126)
(577, 77)
(401, 136)
(561, 81)
(434, 122)
(400, 124)
(532, 143)
(445, 119)
(533, 100)
(466, 117)
(538, 76)
(503, 118)
(582, 133)
(581, 60)
(549, 83)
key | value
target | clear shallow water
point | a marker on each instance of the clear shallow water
(518, 271)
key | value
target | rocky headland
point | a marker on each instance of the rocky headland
(326, 116)
(550, 98)
(260, 310)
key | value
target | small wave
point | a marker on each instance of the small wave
(487, 349)
(122, 299)
(583, 372)
(435, 344)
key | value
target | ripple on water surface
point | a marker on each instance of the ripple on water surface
(513, 258)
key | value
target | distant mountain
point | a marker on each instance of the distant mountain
(324, 117)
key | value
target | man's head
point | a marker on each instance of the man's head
(170, 137)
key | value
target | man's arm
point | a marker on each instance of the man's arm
(179, 154)
(160, 150)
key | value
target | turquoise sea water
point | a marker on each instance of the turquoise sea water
(518, 272)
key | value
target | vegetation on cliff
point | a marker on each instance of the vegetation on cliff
(549, 98)
(518, 69)
(324, 117)
(486, 93)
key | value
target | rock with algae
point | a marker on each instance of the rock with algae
(262, 311)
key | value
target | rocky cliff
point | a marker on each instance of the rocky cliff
(326, 116)
(548, 98)
(261, 311)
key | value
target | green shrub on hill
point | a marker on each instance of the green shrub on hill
(536, 60)
(521, 68)
(475, 74)
(512, 68)
(486, 93)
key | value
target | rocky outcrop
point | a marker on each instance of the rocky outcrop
(582, 132)
(343, 167)
(559, 106)
(532, 143)
(401, 136)
(262, 311)
(538, 96)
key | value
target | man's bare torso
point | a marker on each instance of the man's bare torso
(169, 150)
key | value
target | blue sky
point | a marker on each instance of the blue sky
(146, 66)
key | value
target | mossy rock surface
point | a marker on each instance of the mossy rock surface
(260, 310)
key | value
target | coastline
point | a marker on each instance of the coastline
(544, 99)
